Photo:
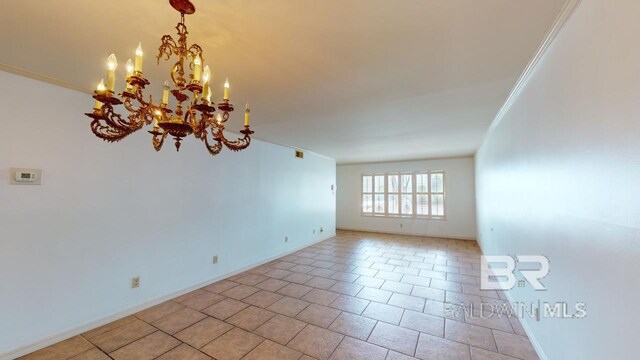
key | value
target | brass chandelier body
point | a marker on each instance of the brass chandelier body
(193, 114)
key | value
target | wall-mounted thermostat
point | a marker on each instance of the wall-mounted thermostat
(22, 176)
(26, 176)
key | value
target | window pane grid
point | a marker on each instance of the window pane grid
(419, 194)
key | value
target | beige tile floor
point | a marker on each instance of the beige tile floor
(355, 296)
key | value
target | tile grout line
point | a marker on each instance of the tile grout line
(336, 348)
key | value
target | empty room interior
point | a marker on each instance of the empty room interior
(329, 180)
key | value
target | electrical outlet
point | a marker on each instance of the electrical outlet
(215, 259)
(135, 282)
(286, 239)
(321, 229)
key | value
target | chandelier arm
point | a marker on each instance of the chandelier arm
(115, 120)
(138, 116)
(135, 123)
(144, 110)
(107, 133)
(217, 131)
(107, 125)
(200, 126)
(128, 104)
(213, 149)
(238, 144)
(138, 96)
(147, 109)
(148, 116)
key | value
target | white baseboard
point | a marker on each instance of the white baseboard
(409, 234)
(527, 329)
(77, 330)
(532, 338)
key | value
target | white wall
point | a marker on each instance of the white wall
(560, 176)
(108, 212)
(460, 199)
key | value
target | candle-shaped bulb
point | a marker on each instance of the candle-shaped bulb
(206, 93)
(206, 90)
(219, 119)
(197, 68)
(112, 64)
(165, 93)
(226, 90)
(100, 89)
(129, 68)
(129, 74)
(206, 75)
(247, 111)
(138, 63)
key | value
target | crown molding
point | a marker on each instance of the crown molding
(43, 78)
(561, 20)
(419, 159)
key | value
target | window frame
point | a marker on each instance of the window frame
(414, 195)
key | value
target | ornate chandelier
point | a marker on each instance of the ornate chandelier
(194, 112)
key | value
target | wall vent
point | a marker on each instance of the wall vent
(299, 154)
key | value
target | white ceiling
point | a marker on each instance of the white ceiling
(357, 80)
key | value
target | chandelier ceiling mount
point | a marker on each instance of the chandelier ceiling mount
(183, 6)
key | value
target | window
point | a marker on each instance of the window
(404, 194)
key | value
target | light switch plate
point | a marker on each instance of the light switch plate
(12, 176)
